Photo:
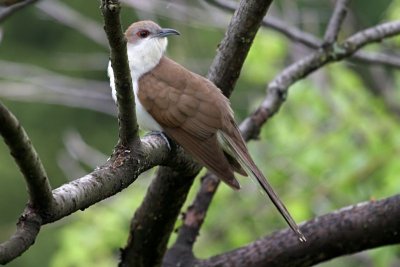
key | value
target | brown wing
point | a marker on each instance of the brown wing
(191, 110)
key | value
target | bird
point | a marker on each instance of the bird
(189, 109)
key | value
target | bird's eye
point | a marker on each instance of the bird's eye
(143, 33)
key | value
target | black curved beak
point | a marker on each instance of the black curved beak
(166, 32)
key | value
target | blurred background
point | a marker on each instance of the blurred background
(335, 142)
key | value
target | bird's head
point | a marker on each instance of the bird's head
(147, 42)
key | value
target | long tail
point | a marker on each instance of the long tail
(239, 151)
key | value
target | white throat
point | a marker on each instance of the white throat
(145, 55)
(142, 57)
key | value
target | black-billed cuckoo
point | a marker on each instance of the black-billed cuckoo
(189, 109)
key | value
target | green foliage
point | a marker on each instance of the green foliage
(265, 57)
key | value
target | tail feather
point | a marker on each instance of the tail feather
(239, 152)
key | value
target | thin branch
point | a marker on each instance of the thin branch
(32, 83)
(372, 58)
(292, 33)
(28, 228)
(85, 99)
(128, 128)
(311, 41)
(9, 2)
(27, 159)
(73, 19)
(278, 88)
(193, 219)
(186, 12)
(81, 151)
(335, 22)
(352, 229)
(8, 11)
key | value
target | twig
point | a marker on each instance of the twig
(128, 128)
(32, 83)
(86, 99)
(335, 22)
(69, 17)
(27, 159)
(291, 32)
(8, 11)
(311, 41)
(81, 151)
(277, 89)
(348, 230)
(186, 12)
(193, 219)
(377, 59)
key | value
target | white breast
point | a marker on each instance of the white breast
(144, 119)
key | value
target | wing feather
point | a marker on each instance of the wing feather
(191, 110)
(235, 145)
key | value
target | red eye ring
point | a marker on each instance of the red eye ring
(143, 33)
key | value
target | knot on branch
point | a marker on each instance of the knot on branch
(30, 219)
(111, 5)
(334, 51)
(279, 91)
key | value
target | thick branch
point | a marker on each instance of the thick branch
(118, 173)
(128, 128)
(238, 39)
(27, 159)
(356, 228)
(335, 22)
(153, 222)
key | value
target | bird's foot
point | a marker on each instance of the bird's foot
(163, 136)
